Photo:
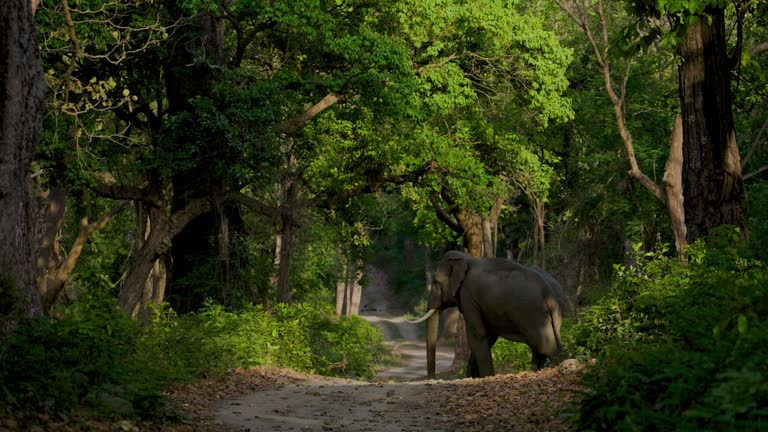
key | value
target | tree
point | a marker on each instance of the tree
(712, 179)
(589, 14)
(712, 183)
(21, 114)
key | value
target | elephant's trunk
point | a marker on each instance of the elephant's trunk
(432, 325)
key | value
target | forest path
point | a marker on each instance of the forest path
(380, 307)
(402, 401)
(326, 404)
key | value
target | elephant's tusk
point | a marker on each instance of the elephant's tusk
(424, 318)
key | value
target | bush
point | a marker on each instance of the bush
(683, 346)
(93, 356)
(303, 337)
(82, 358)
(510, 357)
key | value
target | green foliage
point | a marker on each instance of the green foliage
(511, 357)
(302, 336)
(82, 358)
(682, 346)
(94, 356)
(345, 347)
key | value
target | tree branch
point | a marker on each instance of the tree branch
(755, 144)
(756, 172)
(55, 283)
(443, 215)
(193, 209)
(118, 192)
(253, 204)
(291, 126)
(759, 49)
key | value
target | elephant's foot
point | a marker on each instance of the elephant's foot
(537, 361)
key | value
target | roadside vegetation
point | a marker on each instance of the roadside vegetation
(93, 358)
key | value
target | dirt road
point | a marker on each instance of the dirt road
(402, 401)
(381, 308)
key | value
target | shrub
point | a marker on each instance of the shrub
(93, 356)
(683, 346)
(305, 337)
(510, 357)
(82, 358)
(347, 346)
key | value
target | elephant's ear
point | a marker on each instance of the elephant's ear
(458, 273)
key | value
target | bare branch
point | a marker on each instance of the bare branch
(291, 126)
(755, 172)
(119, 192)
(193, 209)
(759, 49)
(253, 204)
(617, 100)
(55, 283)
(755, 144)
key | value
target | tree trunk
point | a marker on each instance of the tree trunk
(490, 224)
(357, 290)
(538, 231)
(154, 241)
(287, 192)
(341, 284)
(673, 183)
(21, 115)
(284, 269)
(473, 233)
(488, 250)
(224, 263)
(349, 288)
(58, 271)
(712, 183)
(52, 213)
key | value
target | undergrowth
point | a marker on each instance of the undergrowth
(93, 358)
(681, 345)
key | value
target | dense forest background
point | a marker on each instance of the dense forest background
(218, 173)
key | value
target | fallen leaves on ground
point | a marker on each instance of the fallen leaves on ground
(527, 401)
(193, 400)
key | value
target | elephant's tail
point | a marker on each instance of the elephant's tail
(555, 319)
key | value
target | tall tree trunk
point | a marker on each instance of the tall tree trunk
(50, 220)
(348, 289)
(287, 193)
(21, 115)
(341, 283)
(284, 269)
(154, 241)
(357, 289)
(224, 262)
(673, 183)
(712, 184)
(473, 233)
(490, 223)
(538, 231)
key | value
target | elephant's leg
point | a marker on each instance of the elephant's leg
(480, 345)
(537, 360)
(472, 369)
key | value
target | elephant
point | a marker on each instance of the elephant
(498, 298)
